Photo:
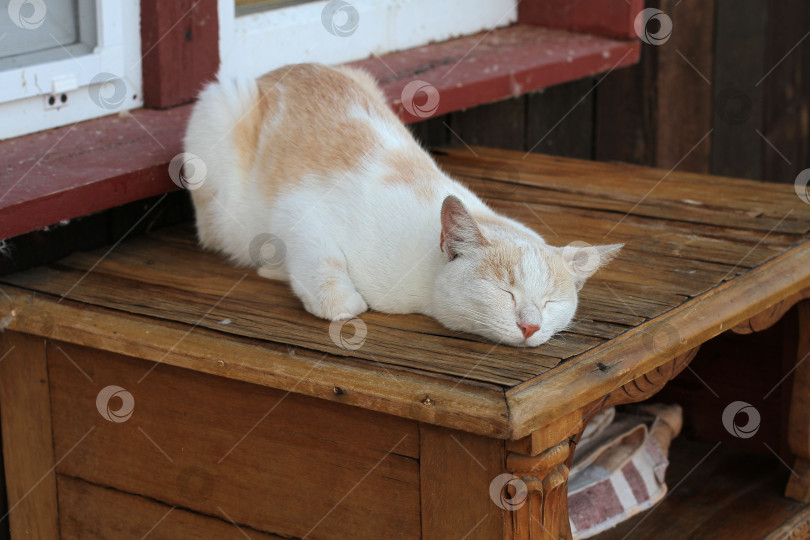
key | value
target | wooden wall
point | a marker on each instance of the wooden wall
(728, 94)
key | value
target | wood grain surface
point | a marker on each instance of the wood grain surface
(701, 254)
(28, 453)
(200, 442)
(90, 511)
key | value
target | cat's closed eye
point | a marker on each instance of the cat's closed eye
(510, 294)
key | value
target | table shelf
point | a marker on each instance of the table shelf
(732, 494)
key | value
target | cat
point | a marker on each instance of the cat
(311, 159)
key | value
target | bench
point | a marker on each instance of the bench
(153, 388)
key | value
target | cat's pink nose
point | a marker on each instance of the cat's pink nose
(528, 329)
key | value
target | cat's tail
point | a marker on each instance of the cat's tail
(221, 107)
(212, 145)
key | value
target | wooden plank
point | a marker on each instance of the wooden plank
(578, 382)
(794, 528)
(787, 90)
(431, 131)
(249, 317)
(455, 472)
(645, 191)
(799, 420)
(463, 405)
(28, 452)
(498, 124)
(600, 17)
(180, 48)
(208, 443)
(90, 511)
(559, 120)
(44, 246)
(684, 90)
(739, 63)
(718, 255)
(212, 277)
(44, 180)
(5, 533)
(657, 112)
(491, 66)
(624, 120)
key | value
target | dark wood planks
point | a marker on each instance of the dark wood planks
(798, 435)
(787, 90)
(559, 120)
(505, 120)
(739, 64)
(625, 119)
(684, 89)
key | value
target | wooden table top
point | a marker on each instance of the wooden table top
(702, 253)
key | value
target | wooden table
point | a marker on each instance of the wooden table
(250, 418)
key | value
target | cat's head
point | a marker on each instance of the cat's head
(503, 282)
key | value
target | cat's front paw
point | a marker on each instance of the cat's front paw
(353, 306)
(337, 305)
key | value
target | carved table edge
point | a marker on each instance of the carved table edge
(770, 315)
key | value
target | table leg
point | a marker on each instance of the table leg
(799, 417)
(540, 461)
(541, 511)
(27, 440)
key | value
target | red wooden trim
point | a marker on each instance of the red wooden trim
(76, 170)
(180, 47)
(91, 166)
(483, 68)
(608, 18)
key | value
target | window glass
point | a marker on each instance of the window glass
(244, 7)
(33, 31)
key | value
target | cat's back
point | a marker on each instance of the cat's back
(275, 145)
(319, 121)
(298, 119)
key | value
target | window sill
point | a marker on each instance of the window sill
(91, 166)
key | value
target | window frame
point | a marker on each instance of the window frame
(25, 91)
(297, 33)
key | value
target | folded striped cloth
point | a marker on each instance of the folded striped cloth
(619, 466)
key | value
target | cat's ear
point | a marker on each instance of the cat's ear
(582, 260)
(459, 229)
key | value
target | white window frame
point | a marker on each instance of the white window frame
(253, 44)
(25, 92)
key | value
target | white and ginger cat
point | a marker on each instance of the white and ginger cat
(313, 156)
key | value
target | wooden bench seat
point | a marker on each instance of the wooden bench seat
(251, 412)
